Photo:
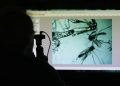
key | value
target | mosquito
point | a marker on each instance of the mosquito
(56, 36)
(84, 54)
(92, 25)
(94, 37)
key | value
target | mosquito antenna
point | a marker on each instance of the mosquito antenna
(106, 28)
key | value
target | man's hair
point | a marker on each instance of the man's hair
(15, 27)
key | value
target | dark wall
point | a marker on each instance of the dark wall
(64, 4)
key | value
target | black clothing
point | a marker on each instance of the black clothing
(22, 69)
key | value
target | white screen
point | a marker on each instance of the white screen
(70, 32)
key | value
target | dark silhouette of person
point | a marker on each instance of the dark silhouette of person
(17, 61)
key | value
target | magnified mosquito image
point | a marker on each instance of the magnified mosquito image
(82, 41)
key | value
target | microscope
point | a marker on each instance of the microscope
(39, 49)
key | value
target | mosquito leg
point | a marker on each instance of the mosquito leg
(82, 61)
(84, 58)
(100, 60)
(93, 59)
(97, 42)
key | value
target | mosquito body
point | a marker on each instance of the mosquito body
(92, 25)
(89, 51)
(76, 21)
(58, 35)
(93, 37)
(83, 55)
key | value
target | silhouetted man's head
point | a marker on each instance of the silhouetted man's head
(16, 30)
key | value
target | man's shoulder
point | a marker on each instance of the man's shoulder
(44, 65)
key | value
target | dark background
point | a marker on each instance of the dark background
(64, 4)
(72, 77)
